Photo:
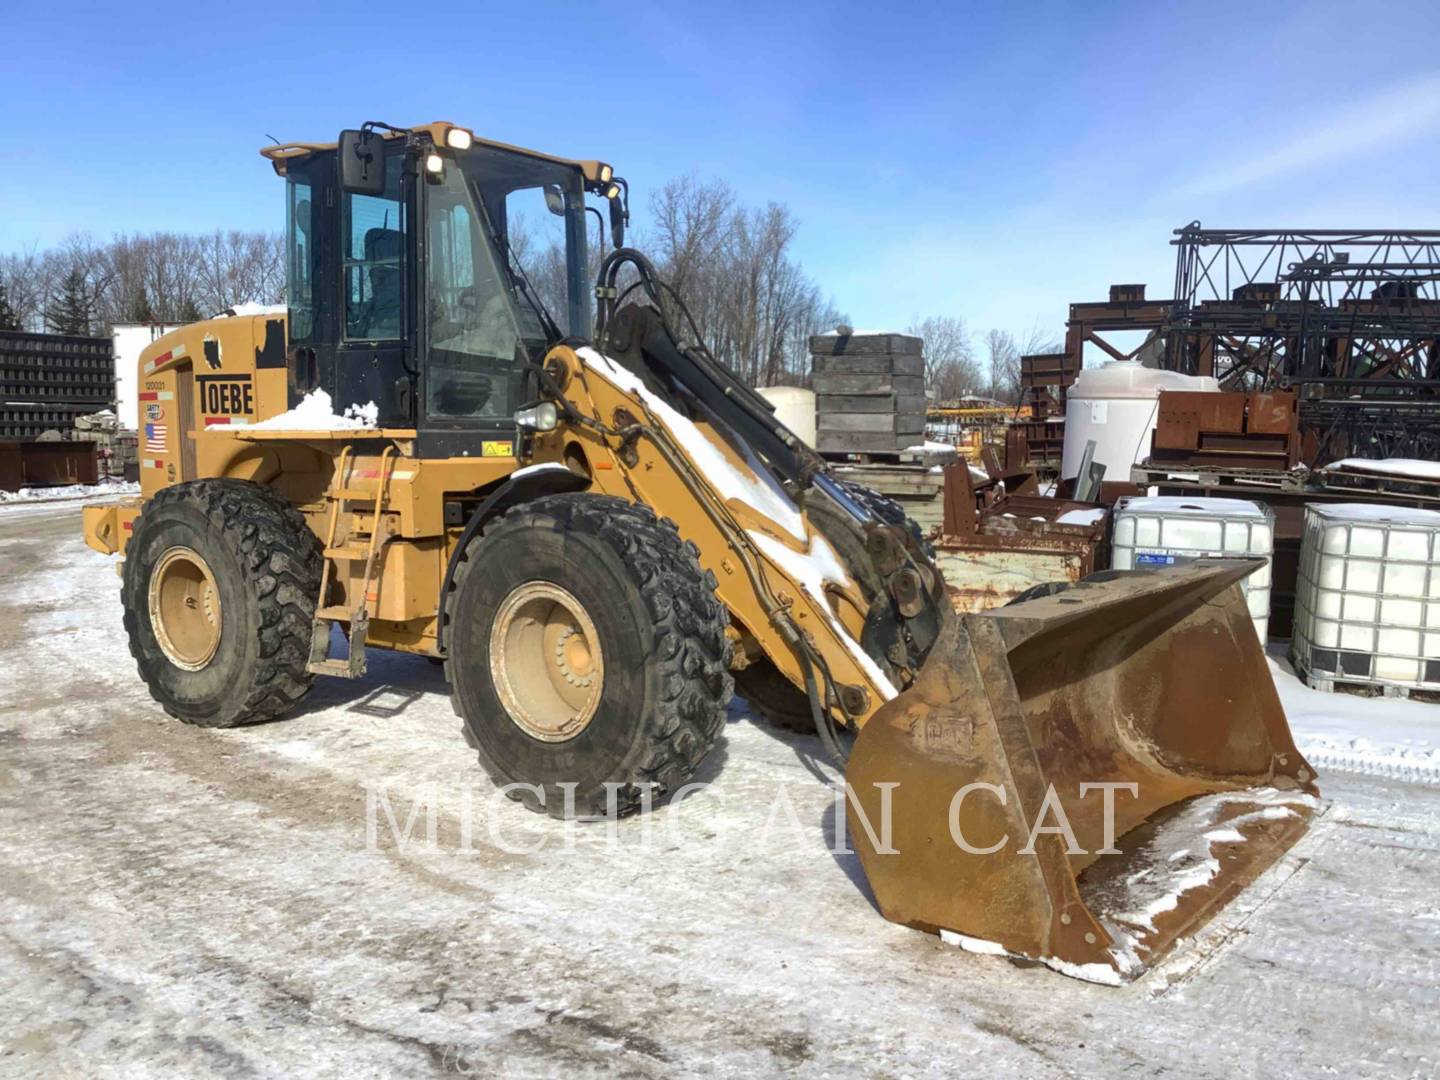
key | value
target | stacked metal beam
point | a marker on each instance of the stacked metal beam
(46, 380)
(869, 392)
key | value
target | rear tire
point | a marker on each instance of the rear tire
(555, 593)
(220, 581)
(775, 699)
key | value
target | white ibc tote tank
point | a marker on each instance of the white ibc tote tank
(1166, 530)
(1116, 404)
(1367, 597)
(795, 408)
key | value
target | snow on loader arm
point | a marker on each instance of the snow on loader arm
(1141, 692)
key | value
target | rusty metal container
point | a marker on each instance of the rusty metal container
(58, 463)
(991, 554)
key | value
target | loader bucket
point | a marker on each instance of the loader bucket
(997, 828)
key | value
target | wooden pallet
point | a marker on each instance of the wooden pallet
(1148, 473)
(1409, 487)
(1333, 685)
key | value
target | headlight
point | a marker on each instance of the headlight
(542, 417)
(612, 191)
(434, 163)
(458, 139)
(606, 172)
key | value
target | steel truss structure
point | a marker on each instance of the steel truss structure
(1348, 318)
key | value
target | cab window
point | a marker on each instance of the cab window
(375, 261)
(476, 353)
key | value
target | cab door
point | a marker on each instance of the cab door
(474, 352)
(374, 355)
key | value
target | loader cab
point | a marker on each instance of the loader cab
(430, 286)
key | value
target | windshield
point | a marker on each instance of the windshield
(537, 210)
(495, 297)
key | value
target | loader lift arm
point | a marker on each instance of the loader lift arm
(640, 338)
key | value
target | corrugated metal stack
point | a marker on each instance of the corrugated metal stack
(869, 392)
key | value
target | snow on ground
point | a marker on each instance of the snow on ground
(1378, 736)
(929, 446)
(179, 901)
(93, 492)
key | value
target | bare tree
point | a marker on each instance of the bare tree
(733, 265)
(751, 301)
(152, 277)
(1002, 361)
(29, 280)
(950, 368)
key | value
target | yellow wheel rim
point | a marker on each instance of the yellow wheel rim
(545, 661)
(185, 608)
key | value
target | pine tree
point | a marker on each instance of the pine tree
(69, 309)
(9, 318)
(138, 309)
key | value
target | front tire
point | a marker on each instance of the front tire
(586, 646)
(219, 585)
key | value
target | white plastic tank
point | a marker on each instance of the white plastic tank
(1116, 404)
(1166, 530)
(795, 408)
(1367, 597)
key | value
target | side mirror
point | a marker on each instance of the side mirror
(554, 200)
(362, 164)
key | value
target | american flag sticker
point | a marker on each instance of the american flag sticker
(155, 438)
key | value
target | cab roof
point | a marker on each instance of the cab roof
(281, 154)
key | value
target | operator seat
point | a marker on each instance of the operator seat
(380, 316)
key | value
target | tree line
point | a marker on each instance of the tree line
(957, 367)
(84, 286)
(733, 264)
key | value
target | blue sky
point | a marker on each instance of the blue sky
(993, 161)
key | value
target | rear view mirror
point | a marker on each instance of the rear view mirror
(554, 200)
(362, 164)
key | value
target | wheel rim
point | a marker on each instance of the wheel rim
(546, 662)
(185, 608)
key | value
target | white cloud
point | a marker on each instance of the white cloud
(1397, 114)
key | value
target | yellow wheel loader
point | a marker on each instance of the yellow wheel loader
(599, 529)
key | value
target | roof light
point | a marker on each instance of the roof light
(458, 139)
(612, 191)
(606, 172)
(434, 163)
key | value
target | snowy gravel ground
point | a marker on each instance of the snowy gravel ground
(71, 493)
(181, 901)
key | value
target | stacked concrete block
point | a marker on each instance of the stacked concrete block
(869, 392)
